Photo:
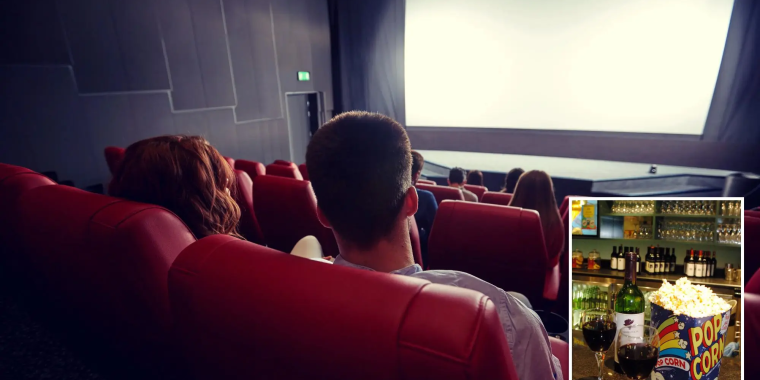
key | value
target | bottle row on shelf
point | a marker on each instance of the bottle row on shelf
(658, 260)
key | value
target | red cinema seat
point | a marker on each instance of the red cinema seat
(426, 182)
(252, 168)
(287, 171)
(753, 282)
(496, 198)
(283, 162)
(751, 247)
(14, 181)
(114, 155)
(244, 311)
(561, 350)
(751, 336)
(561, 306)
(501, 245)
(442, 193)
(304, 172)
(752, 213)
(287, 211)
(478, 190)
(230, 161)
(102, 264)
(249, 225)
(565, 204)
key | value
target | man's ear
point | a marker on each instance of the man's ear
(448, 182)
(322, 218)
(410, 202)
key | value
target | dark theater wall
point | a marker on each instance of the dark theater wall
(79, 75)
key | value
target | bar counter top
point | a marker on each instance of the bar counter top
(584, 364)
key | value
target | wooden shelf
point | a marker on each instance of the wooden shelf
(707, 243)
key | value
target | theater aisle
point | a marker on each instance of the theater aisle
(30, 351)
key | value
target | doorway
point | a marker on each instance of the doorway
(305, 116)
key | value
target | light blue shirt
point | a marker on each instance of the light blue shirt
(526, 336)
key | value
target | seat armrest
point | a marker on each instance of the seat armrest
(551, 283)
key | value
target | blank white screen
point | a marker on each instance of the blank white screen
(646, 66)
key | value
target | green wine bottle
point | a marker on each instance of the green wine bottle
(629, 304)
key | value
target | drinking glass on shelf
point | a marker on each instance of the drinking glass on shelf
(637, 348)
(599, 328)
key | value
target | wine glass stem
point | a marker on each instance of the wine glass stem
(600, 362)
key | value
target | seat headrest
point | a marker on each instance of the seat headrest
(249, 225)
(287, 211)
(231, 328)
(252, 168)
(442, 193)
(304, 171)
(496, 198)
(230, 161)
(114, 156)
(283, 162)
(477, 190)
(286, 171)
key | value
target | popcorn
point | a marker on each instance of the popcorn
(683, 298)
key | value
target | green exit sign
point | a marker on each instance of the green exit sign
(304, 76)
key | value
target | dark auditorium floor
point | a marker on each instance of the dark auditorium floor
(30, 351)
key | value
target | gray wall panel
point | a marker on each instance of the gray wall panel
(118, 89)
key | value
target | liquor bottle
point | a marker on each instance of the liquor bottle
(649, 261)
(673, 260)
(708, 259)
(666, 261)
(629, 304)
(613, 258)
(621, 258)
(638, 261)
(657, 260)
(714, 262)
(699, 266)
(685, 260)
(690, 264)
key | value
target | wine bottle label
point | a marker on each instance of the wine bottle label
(613, 263)
(650, 267)
(638, 267)
(699, 270)
(657, 267)
(620, 263)
(690, 269)
(623, 320)
(672, 267)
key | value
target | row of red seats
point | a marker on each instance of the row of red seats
(132, 277)
(278, 207)
(278, 210)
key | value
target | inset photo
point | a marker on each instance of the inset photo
(656, 288)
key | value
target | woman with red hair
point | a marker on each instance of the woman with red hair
(184, 174)
(535, 191)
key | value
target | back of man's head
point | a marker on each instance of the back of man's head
(359, 164)
(418, 162)
(456, 176)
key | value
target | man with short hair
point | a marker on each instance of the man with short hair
(426, 208)
(457, 179)
(360, 166)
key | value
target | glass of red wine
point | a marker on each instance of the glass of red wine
(638, 348)
(598, 326)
